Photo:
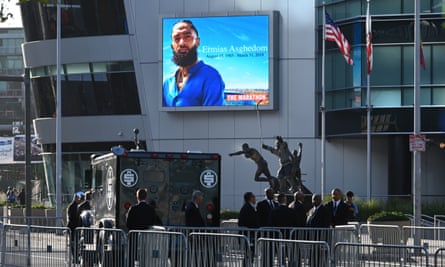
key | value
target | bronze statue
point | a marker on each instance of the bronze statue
(286, 159)
(262, 167)
(296, 169)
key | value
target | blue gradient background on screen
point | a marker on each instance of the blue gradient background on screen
(219, 36)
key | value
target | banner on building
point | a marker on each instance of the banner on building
(12, 149)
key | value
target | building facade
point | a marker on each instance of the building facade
(112, 79)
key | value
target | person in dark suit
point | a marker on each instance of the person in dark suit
(283, 216)
(338, 210)
(319, 214)
(193, 216)
(265, 206)
(318, 217)
(140, 216)
(73, 223)
(300, 210)
(248, 216)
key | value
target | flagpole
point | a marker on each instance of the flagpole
(58, 121)
(368, 108)
(323, 108)
(417, 210)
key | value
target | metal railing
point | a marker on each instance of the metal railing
(348, 254)
(29, 245)
(282, 252)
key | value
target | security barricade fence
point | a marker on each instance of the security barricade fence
(439, 257)
(215, 249)
(253, 234)
(344, 233)
(430, 237)
(369, 255)
(439, 220)
(381, 234)
(28, 245)
(157, 248)
(99, 247)
(25, 245)
(31, 220)
(290, 253)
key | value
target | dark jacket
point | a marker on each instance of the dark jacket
(72, 216)
(318, 217)
(300, 211)
(282, 216)
(140, 216)
(248, 217)
(82, 207)
(339, 216)
(193, 216)
(263, 208)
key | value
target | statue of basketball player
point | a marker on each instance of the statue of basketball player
(296, 169)
(285, 157)
(261, 163)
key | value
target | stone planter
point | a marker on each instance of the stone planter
(15, 215)
(50, 215)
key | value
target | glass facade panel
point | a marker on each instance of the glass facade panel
(386, 97)
(79, 18)
(438, 65)
(74, 168)
(438, 96)
(115, 94)
(386, 65)
(386, 7)
(425, 96)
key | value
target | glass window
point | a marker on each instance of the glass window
(115, 93)
(386, 97)
(438, 59)
(386, 65)
(79, 18)
(425, 96)
(438, 96)
(386, 7)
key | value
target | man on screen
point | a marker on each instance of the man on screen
(194, 83)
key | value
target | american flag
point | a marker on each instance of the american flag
(334, 34)
(368, 40)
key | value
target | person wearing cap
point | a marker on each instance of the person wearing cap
(83, 206)
(192, 214)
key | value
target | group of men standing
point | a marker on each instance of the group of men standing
(278, 213)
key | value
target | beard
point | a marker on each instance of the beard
(187, 59)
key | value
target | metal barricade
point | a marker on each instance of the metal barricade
(49, 246)
(285, 252)
(350, 254)
(157, 248)
(431, 238)
(215, 249)
(344, 233)
(24, 245)
(100, 246)
(381, 234)
(253, 234)
(15, 246)
(439, 220)
(439, 257)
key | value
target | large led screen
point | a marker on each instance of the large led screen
(219, 62)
